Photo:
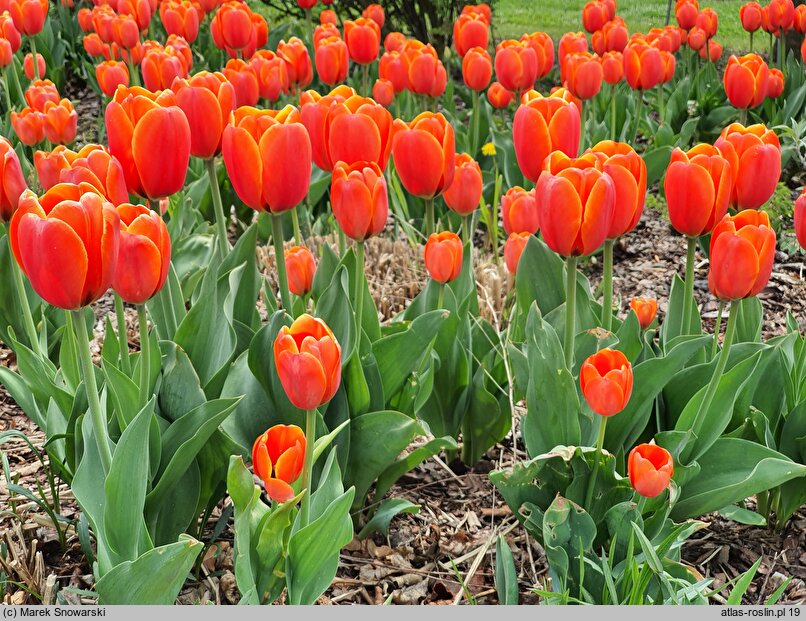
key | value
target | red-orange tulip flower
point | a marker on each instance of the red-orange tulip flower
(332, 60)
(543, 46)
(513, 249)
(383, 91)
(207, 99)
(244, 81)
(741, 256)
(612, 37)
(308, 361)
(125, 32)
(799, 22)
(594, 15)
(272, 74)
(628, 173)
(29, 125)
(394, 41)
(575, 209)
(754, 154)
(150, 136)
(141, 10)
(306, 4)
(698, 187)
(359, 198)
(498, 96)
(92, 165)
(543, 125)
(363, 38)
(301, 267)
(583, 74)
(9, 32)
(515, 65)
(470, 30)
(28, 66)
(782, 14)
(696, 39)
(28, 15)
(606, 380)
(375, 13)
(40, 92)
(643, 66)
(800, 219)
(231, 26)
(750, 16)
(612, 67)
(443, 256)
(12, 181)
(111, 74)
(67, 244)
(709, 22)
(6, 53)
(686, 12)
(424, 154)
(300, 69)
(60, 122)
(424, 71)
(713, 48)
(766, 25)
(181, 18)
(464, 194)
(477, 68)
(519, 211)
(650, 468)
(144, 254)
(278, 457)
(775, 83)
(328, 16)
(646, 309)
(570, 43)
(482, 9)
(745, 80)
(268, 158)
(160, 68)
(393, 68)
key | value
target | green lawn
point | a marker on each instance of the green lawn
(514, 17)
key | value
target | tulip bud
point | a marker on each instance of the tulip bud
(686, 14)
(301, 268)
(750, 16)
(477, 69)
(650, 468)
(375, 13)
(543, 46)
(332, 60)
(278, 457)
(363, 39)
(359, 198)
(606, 380)
(144, 255)
(29, 125)
(464, 194)
(469, 31)
(645, 309)
(498, 96)
(300, 69)
(60, 122)
(775, 83)
(519, 211)
(515, 65)
(111, 74)
(383, 91)
(513, 249)
(28, 66)
(443, 256)
(754, 153)
(424, 154)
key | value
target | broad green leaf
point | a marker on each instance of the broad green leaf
(410, 461)
(742, 515)
(387, 510)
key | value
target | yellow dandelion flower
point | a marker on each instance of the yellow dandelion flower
(488, 149)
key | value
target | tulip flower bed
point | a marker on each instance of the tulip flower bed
(310, 307)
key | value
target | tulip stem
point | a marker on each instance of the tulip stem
(133, 75)
(474, 125)
(94, 403)
(596, 458)
(720, 310)
(145, 355)
(607, 296)
(123, 339)
(466, 229)
(365, 81)
(429, 216)
(27, 317)
(570, 310)
(688, 297)
(359, 293)
(638, 109)
(307, 468)
(781, 50)
(279, 257)
(218, 207)
(12, 69)
(297, 232)
(613, 112)
(661, 102)
(743, 116)
(7, 91)
(722, 361)
(33, 56)
(441, 296)
(751, 42)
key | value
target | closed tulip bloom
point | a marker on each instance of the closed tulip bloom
(231, 27)
(308, 361)
(181, 18)
(60, 122)
(28, 15)
(363, 38)
(750, 16)
(650, 468)
(477, 68)
(141, 10)
(696, 39)
(643, 66)
(612, 67)
(425, 73)
(314, 111)
(111, 74)
(268, 158)
(741, 256)
(301, 267)
(325, 31)
(543, 125)
(328, 16)
(606, 380)
(272, 74)
(40, 92)
(745, 80)
(278, 457)
(424, 154)
(613, 37)
(94, 47)
(306, 4)
(515, 65)
(482, 9)
(443, 256)
(698, 188)
(543, 46)
(714, 49)
(519, 211)
(709, 22)
(49, 164)
(393, 68)
(12, 181)
(6, 54)
(498, 96)
(584, 75)
(782, 14)
(150, 136)
(766, 24)
(594, 16)
(244, 81)
(513, 249)
(383, 91)
(375, 13)
(799, 22)
(160, 68)
(300, 69)
(645, 309)
(67, 244)
(464, 194)
(144, 254)
(125, 32)
(394, 41)
(332, 61)
(9, 32)
(28, 65)
(570, 43)
(575, 209)
(359, 199)
(469, 31)
(686, 12)
(754, 153)
(207, 99)
(29, 126)
(627, 170)
(356, 129)
(800, 219)
(775, 83)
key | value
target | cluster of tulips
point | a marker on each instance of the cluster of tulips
(776, 19)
